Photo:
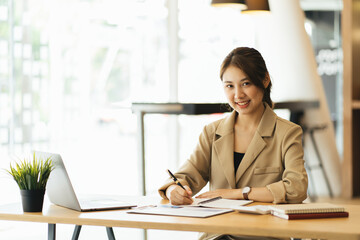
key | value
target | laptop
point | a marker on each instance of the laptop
(61, 192)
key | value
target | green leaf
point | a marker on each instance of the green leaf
(31, 175)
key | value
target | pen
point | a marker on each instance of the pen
(175, 180)
(210, 200)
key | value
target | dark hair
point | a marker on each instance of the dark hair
(250, 61)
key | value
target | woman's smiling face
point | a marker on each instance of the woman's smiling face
(243, 96)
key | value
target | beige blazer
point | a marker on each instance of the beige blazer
(273, 159)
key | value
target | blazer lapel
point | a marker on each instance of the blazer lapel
(224, 148)
(265, 129)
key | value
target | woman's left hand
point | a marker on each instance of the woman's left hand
(224, 193)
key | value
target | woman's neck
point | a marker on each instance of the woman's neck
(250, 121)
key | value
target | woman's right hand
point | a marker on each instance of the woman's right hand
(179, 196)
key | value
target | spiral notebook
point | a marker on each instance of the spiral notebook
(298, 211)
(306, 208)
(311, 215)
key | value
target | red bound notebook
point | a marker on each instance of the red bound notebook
(308, 210)
(311, 215)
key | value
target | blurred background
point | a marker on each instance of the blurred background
(70, 69)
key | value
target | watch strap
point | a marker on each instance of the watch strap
(246, 196)
(246, 192)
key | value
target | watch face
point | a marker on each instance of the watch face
(246, 190)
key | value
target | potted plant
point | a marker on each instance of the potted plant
(31, 177)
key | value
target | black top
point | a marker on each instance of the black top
(237, 160)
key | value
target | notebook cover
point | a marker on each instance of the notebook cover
(311, 215)
(306, 208)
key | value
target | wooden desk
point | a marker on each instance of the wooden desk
(230, 223)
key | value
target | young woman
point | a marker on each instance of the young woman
(250, 154)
